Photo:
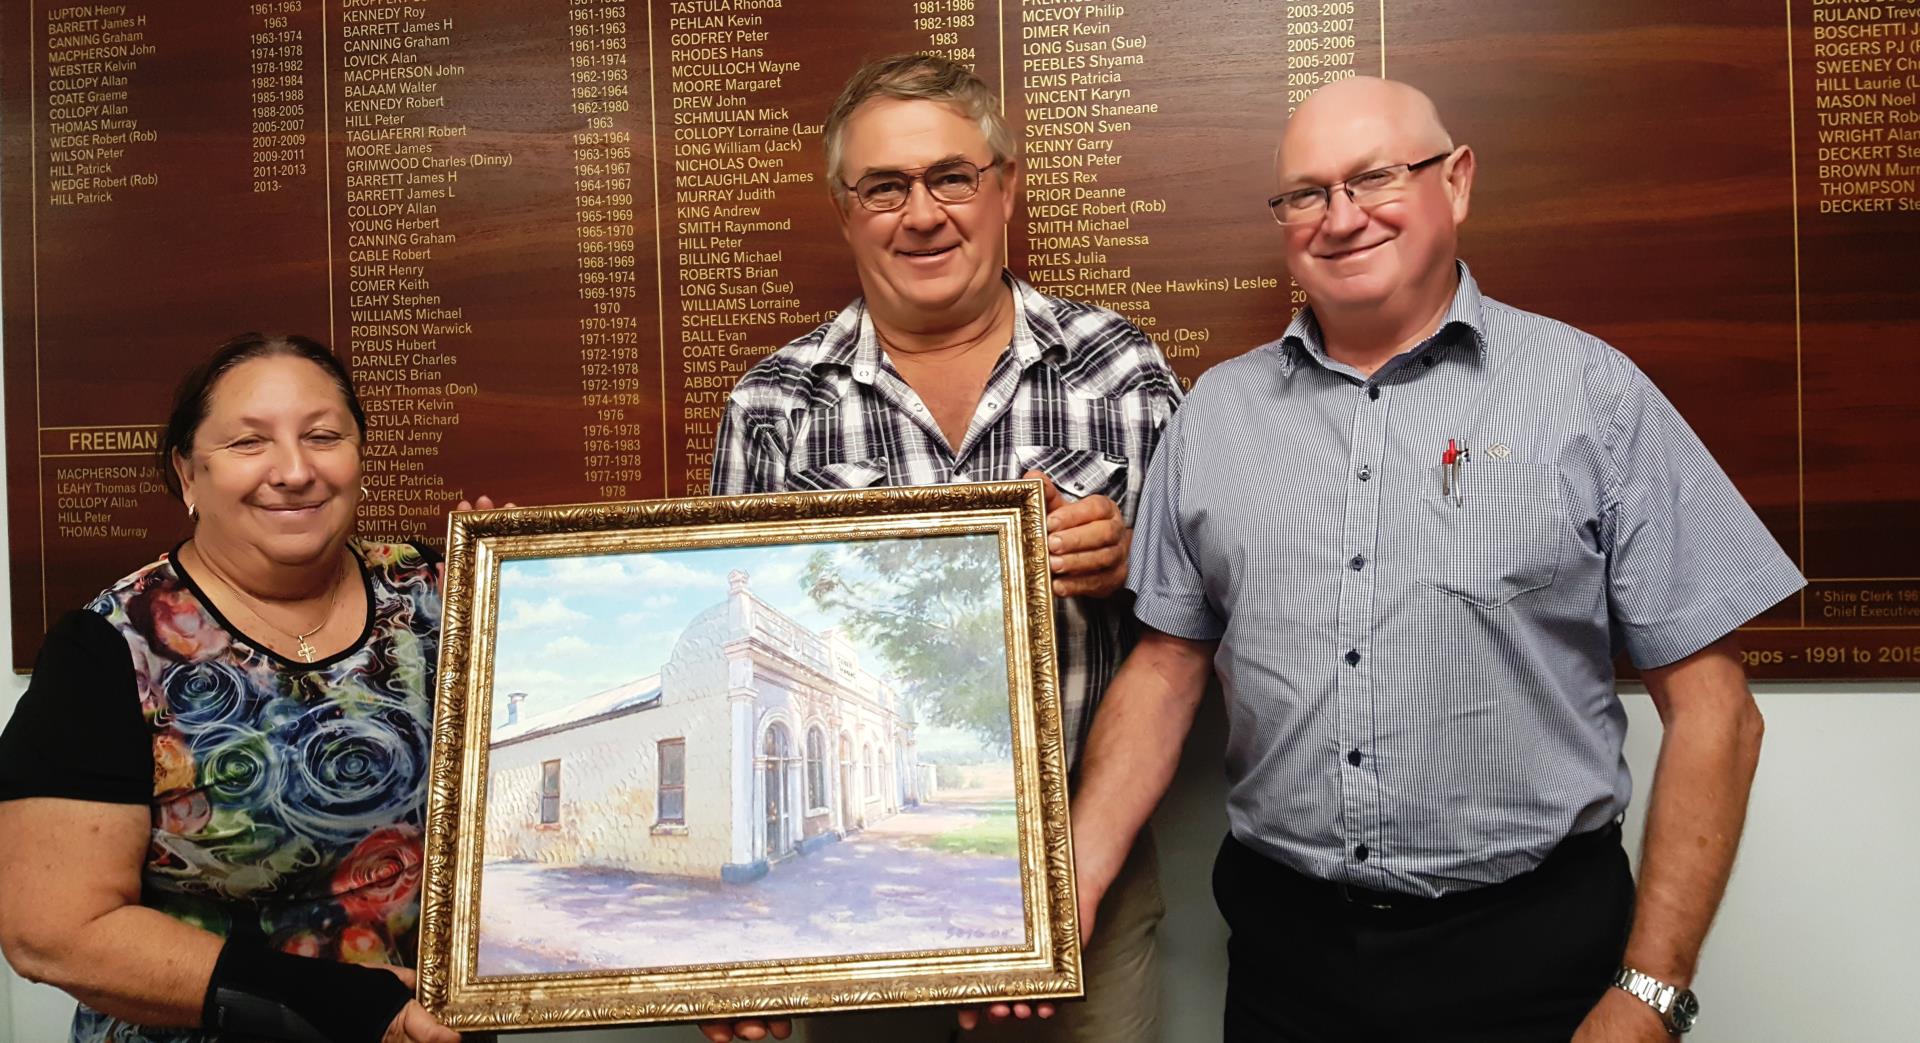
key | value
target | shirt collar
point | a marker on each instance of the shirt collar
(851, 343)
(1465, 322)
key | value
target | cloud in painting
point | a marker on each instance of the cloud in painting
(552, 612)
(566, 645)
(635, 574)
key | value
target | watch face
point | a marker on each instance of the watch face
(1685, 1010)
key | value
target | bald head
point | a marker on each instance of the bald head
(1376, 259)
(1361, 122)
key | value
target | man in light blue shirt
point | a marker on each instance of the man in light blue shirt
(1410, 537)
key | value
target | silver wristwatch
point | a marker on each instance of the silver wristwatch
(1676, 1006)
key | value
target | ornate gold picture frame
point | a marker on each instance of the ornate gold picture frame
(756, 755)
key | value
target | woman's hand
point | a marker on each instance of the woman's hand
(747, 1028)
(413, 1024)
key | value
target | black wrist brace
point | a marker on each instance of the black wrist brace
(258, 992)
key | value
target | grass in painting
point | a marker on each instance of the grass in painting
(992, 834)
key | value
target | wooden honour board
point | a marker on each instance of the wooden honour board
(547, 237)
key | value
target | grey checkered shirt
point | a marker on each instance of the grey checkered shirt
(1420, 687)
(1081, 394)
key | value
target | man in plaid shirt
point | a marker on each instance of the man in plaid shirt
(949, 369)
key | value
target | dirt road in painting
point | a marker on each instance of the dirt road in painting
(942, 875)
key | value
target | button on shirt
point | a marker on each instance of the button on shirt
(1080, 394)
(1419, 673)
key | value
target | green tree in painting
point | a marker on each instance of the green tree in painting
(933, 609)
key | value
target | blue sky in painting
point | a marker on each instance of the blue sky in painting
(572, 627)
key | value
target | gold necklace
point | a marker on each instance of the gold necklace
(307, 651)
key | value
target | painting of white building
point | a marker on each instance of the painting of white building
(756, 740)
(729, 750)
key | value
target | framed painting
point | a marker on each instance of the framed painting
(756, 755)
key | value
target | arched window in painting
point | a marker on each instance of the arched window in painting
(816, 768)
(849, 811)
(778, 749)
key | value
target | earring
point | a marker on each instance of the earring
(365, 493)
(193, 512)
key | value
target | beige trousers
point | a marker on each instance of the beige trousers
(1121, 965)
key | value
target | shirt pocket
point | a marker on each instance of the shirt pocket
(1079, 473)
(847, 474)
(1501, 539)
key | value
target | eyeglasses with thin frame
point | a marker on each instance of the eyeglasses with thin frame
(1305, 206)
(954, 181)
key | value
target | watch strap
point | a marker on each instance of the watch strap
(1673, 1004)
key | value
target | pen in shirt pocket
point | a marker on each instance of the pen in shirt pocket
(1450, 460)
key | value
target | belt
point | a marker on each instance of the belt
(1366, 900)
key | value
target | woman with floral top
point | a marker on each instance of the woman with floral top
(212, 794)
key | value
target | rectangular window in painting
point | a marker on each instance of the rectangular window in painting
(549, 792)
(673, 781)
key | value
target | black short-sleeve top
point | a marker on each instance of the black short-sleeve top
(287, 798)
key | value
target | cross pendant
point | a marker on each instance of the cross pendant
(306, 650)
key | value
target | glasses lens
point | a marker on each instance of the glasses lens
(882, 191)
(1376, 184)
(1299, 207)
(953, 182)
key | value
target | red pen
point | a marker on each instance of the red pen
(1450, 471)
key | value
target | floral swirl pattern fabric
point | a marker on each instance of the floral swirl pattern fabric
(288, 799)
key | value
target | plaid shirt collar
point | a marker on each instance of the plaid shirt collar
(1465, 322)
(850, 342)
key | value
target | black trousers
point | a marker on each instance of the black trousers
(1517, 962)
